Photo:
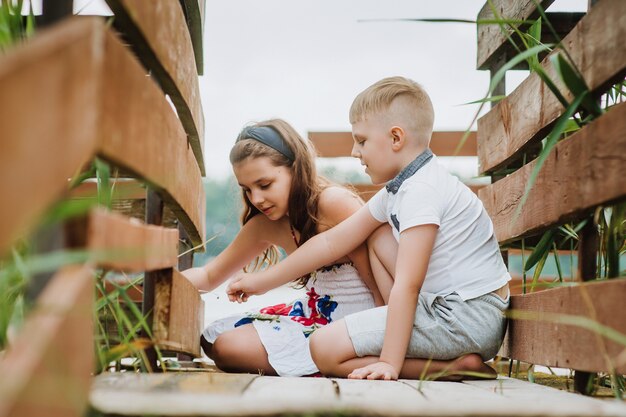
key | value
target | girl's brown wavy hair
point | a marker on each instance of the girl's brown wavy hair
(306, 185)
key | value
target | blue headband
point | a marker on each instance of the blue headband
(269, 136)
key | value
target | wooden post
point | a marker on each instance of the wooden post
(154, 215)
(53, 11)
(587, 265)
(185, 261)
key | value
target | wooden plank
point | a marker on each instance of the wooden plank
(336, 144)
(145, 137)
(562, 22)
(174, 394)
(52, 77)
(208, 394)
(580, 173)
(122, 189)
(542, 341)
(194, 12)
(533, 398)
(515, 123)
(316, 395)
(491, 39)
(162, 42)
(126, 244)
(47, 371)
(178, 318)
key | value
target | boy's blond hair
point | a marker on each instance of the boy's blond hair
(401, 100)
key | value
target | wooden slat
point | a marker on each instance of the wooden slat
(336, 144)
(48, 90)
(542, 341)
(366, 191)
(60, 69)
(491, 39)
(597, 49)
(162, 41)
(580, 173)
(126, 244)
(562, 23)
(194, 12)
(178, 314)
(47, 371)
(145, 137)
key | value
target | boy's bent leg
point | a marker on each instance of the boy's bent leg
(383, 252)
(332, 351)
(334, 355)
(241, 350)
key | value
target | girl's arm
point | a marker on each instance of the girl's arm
(251, 241)
(314, 253)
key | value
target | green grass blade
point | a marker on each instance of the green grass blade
(103, 174)
(485, 100)
(543, 247)
(551, 142)
(522, 56)
(575, 83)
(557, 261)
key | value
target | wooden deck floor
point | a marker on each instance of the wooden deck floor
(220, 394)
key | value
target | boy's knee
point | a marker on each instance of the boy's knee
(378, 236)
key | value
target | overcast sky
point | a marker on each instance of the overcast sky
(306, 60)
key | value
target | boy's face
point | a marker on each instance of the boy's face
(373, 146)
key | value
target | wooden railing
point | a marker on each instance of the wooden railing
(73, 93)
(567, 326)
(443, 143)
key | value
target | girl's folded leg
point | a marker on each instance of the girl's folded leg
(240, 350)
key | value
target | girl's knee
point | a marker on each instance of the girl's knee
(225, 351)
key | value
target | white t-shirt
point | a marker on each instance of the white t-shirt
(466, 258)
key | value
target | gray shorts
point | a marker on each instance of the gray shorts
(444, 327)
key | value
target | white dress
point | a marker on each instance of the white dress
(331, 293)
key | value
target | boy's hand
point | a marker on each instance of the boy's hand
(378, 370)
(242, 286)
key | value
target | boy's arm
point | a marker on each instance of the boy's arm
(415, 247)
(314, 253)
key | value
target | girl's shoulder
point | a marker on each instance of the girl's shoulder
(337, 203)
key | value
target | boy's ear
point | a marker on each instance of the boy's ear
(398, 137)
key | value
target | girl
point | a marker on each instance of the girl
(286, 203)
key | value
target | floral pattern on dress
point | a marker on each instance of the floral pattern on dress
(318, 312)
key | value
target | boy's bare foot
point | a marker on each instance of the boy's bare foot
(468, 367)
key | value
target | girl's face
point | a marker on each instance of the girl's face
(266, 185)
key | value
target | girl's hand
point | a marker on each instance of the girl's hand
(242, 286)
(378, 370)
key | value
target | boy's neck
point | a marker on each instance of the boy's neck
(409, 156)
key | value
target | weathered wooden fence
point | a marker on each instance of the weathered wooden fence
(80, 90)
(576, 326)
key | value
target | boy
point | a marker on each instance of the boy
(437, 262)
